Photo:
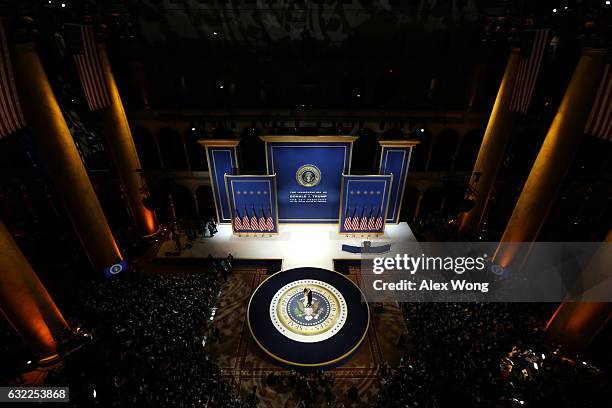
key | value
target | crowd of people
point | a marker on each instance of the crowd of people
(307, 389)
(483, 355)
(147, 346)
(143, 345)
(143, 342)
(191, 230)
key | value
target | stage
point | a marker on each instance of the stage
(297, 245)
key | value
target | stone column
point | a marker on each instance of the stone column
(53, 139)
(24, 300)
(116, 130)
(555, 157)
(417, 208)
(575, 324)
(492, 149)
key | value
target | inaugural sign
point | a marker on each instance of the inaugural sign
(309, 175)
(308, 180)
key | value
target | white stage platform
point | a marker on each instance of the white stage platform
(296, 244)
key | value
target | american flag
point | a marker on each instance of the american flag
(533, 45)
(600, 119)
(246, 224)
(371, 220)
(254, 221)
(270, 221)
(237, 221)
(355, 220)
(262, 221)
(347, 221)
(364, 221)
(379, 221)
(82, 44)
(11, 117)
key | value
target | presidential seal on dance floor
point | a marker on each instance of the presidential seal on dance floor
(308, 317)
(299, 319)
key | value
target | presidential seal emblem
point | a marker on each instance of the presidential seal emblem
(308, 322)
(308, 175)
(115, 269)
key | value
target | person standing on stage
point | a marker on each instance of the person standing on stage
(213, 223)
(308, 297)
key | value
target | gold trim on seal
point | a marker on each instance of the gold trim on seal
(321, 291)
(282, 360)
(312, 169)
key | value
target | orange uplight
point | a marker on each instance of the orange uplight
(151, 223)
(576, 323)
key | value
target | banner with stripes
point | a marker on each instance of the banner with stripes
(81, 43)
(533, 47)
(365, 201)
(253, 204)
(599, 123)
(11, 116)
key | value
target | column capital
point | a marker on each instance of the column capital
(219, 142)
(399, 143)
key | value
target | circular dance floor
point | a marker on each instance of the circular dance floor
(297, 331)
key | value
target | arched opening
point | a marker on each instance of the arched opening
(196, 152)
(184, 205)
(147, 151)
(252, 151)
(522, 152)
(453, 197)
(468, 151)
(171, 148)
(206, 203)
(364, 149)
(223, 132)
(444, 150)
(409, 203)
(392, 134)
(112, 200)
(501, 205)
(431, 202)
(420, 152)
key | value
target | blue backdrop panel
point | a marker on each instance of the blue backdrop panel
(364, 203)
(222, 160)
(395, 160)
(308, 204)
(253, 203)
